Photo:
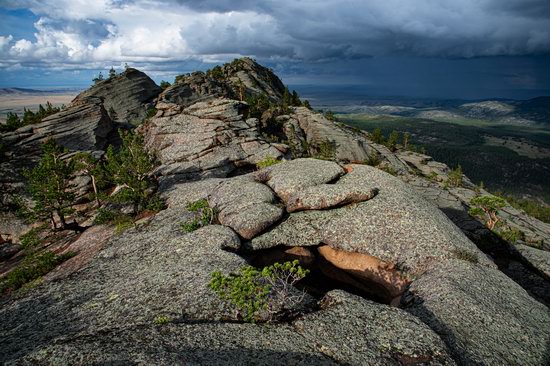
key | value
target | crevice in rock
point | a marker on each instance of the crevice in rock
(325, 276)
(242, 170)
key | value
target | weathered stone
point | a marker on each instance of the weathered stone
(293, 176)
(482, 315)
(397, 226)
(202, 142)
(455, 201)
(245, 206)
(367, 268)
(12, 227)
(540, 259)
(83, 125)
(306, 126)
(328, 196)
(373, 334)
(127, 96)
(299, 229)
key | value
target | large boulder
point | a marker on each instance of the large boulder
(291, 177)
(245, 206)
(127, 96)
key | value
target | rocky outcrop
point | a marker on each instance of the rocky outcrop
(292, 177)
(328, 196)
(245, 206)
(394, 242)
(208, 139)
(307, 130)
(236, 80)
(366, 268)
(82, 126)
(539, 259)
(126, 97)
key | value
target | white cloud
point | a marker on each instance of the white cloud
(89, 33)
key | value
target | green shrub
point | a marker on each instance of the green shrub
(164, 84)
(454, 178)
(377, 136)
(161, 320)
(151, 112)
(32, 268)
(512, 235)
(389, 169)
(432, 176)
(12, 123)
(330, 116)
(130, 167)
(104, 216)
(406, 138)
(155, 203)
(268, 161)
(391, 143)
(204, 215)
(326, 150)
(49, 184)
(190, 226)
(216, 73)
(30, 241)
(198, 205)
(261, 295)
(123, 225)
(373, 159)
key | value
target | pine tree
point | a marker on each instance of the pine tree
(286, 102)
(129, 169)
(392, 140)
(377, 136)
(165, 84)
(12, 123)
(99, 78)
(49, 186)
(296, 102)
(330, 116)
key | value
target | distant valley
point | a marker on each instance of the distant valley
(15, 100)
(503, 143)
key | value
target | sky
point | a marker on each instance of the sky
(464, 49)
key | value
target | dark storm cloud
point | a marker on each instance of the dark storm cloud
(396, 42)
(296, 30)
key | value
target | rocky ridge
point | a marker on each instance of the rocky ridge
(127, 96)
(352, 224)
